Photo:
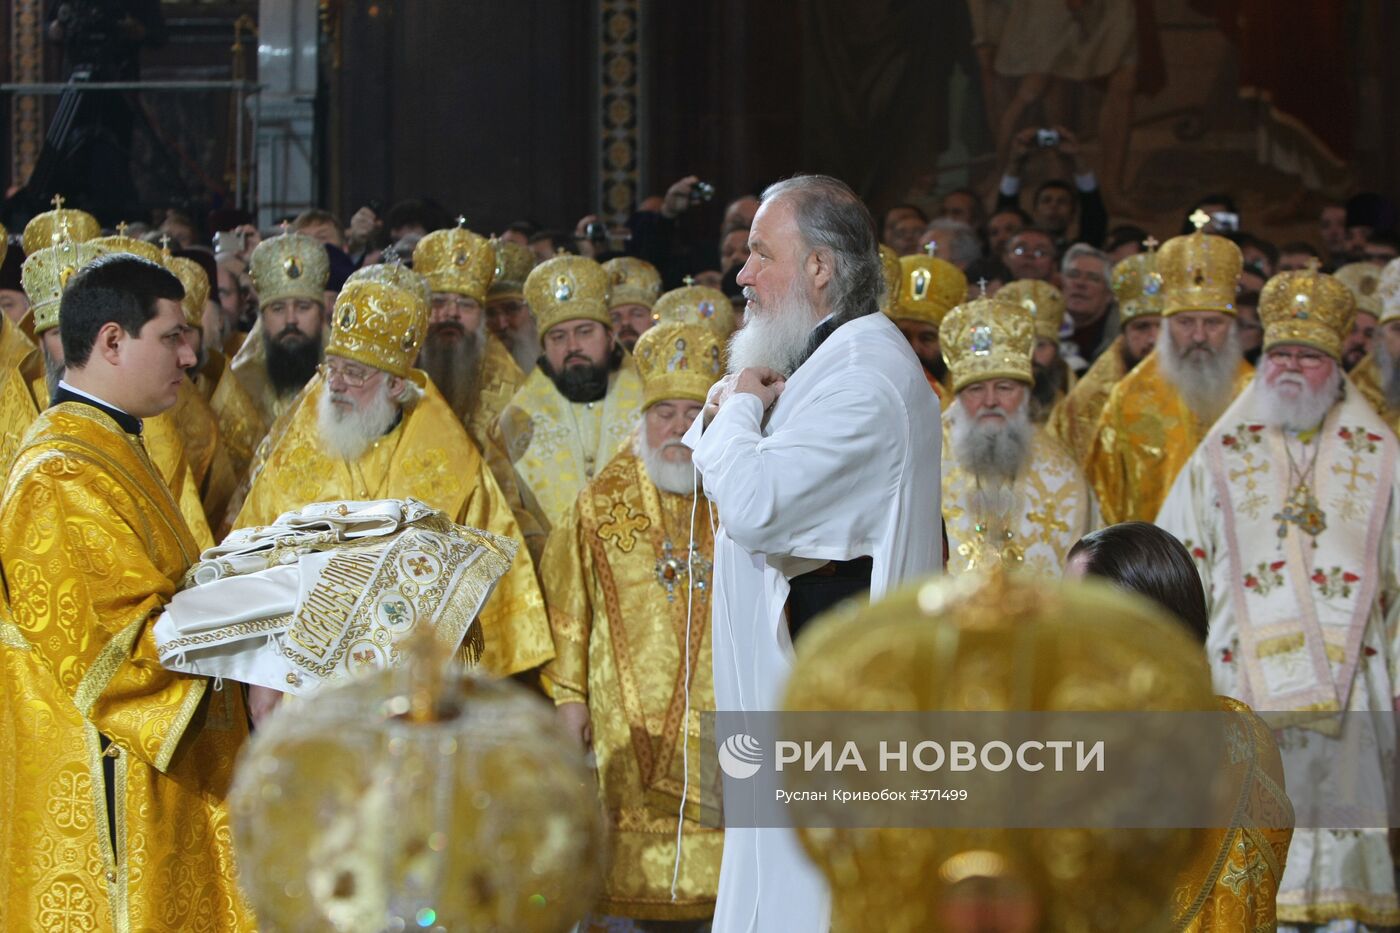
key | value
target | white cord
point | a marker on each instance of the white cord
(685, 648)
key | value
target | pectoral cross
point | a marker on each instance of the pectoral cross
(623, 526)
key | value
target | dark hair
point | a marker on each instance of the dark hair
(990, 268)
(559, 240)
(119, 288)
(1013, 209)
(523, 227)
(1243, 240)
(1050, 183)
(1143, 558)
(1122, 235)
(1300, 246)
(918, 212)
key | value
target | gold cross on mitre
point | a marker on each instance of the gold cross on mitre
(165, 244)
(1200, 218)
(121, 227)
(57, 202)
(688, 281)
(1151, 243)
(982, 284)
(286, 228)
(1313, 265)
(462, 221)
(931, 247)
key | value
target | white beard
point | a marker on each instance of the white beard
(775, 337)
(1205, 382)
(993, 450)
(674, 477)
(1303, 411)
(1389, 373)
(348, 434)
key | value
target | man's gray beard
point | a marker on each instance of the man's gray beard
(53, 372)
(524, 345)
(455, 368)
(993, 451)
(775, 337)
(348, 434)
(1389, 373)
(677, 478)
(1205, 384)
(1306, 411)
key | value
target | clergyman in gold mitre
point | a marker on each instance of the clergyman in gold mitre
(1157, 414)
(1007, 644)
(633, 287)
(1053, 377)
(508, 314)
(1378, 375)
(929, 288)
(1012, 494)
(643, 587)
(370, 426)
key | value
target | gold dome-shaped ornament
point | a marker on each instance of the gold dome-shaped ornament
(412, 799)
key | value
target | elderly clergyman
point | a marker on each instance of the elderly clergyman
(820, 450)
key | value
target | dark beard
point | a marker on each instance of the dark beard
(454, 366)
(937, 369)
(1050, 381)
(291, 368)
(1129, 360)
(584, 383)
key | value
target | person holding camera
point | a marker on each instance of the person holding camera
(1056, 203)
(660, 237)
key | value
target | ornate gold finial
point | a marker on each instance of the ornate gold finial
(1200, 218)
(121, 227)
(1151, 243)
(982, 285)
(688, 281)
(931, 247)
(462, 221)
(165, 244)
(57, 202)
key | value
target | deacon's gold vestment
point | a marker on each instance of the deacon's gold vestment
(17, 406)
(557, 446)
(92, 545)
(427, 456)
(617, 577)
(241, 423)
(1233, 879)
(1075, 420)
(1145, 436)
(210, 469)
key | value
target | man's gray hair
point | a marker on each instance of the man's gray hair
(833, 219)
(1079, 250)
(960, 246)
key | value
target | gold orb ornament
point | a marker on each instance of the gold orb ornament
(368, 807)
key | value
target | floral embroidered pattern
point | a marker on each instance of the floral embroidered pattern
(1243, 436)
(1334, 583)
(1265, 577)
(1359, 439)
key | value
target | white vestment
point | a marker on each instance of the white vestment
(845, 466)
(1295, 627)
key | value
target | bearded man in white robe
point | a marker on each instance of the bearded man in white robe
(1291, 508)
(820, 451)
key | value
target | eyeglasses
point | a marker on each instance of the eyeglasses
(354, 378)
(1303, 359)
(460, 302)
(1038, 252)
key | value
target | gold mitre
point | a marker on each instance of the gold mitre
(456, 261)
(1200, 272)
(381, 318)
(1043, 300)
(889, 266)
(988, 338)
(1005, 644)
(39, 232)
(513, 264)
(1137, 286)
(632, 281)
(929, 288)
(45, 275)
(1390, 291)
(121, 243)
(568, 288)
(1364, 280)
(292, 265)
(697, 304)
(196, 281)
(678, 360)
(1307, 307)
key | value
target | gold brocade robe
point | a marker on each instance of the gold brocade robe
(92, 546)
(617, 577)
(14, 346)
(557, 446)
(428, 456)
(1233, 879)
(18, 407)
(1367, 379)
(1145, 436)
(241, 423)
(1076, 419)
(1050, 507)
(204, 449)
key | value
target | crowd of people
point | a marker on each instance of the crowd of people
(700, 445)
